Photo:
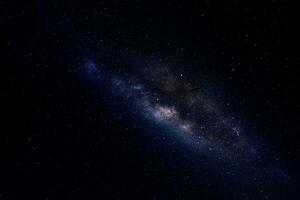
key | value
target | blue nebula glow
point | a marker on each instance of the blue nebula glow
(92, 70)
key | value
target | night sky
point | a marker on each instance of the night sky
(149, 100)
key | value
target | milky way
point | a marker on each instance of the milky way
(168, 98)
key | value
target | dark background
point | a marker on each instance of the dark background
(63, 139)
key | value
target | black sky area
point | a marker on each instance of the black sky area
(65, 138)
